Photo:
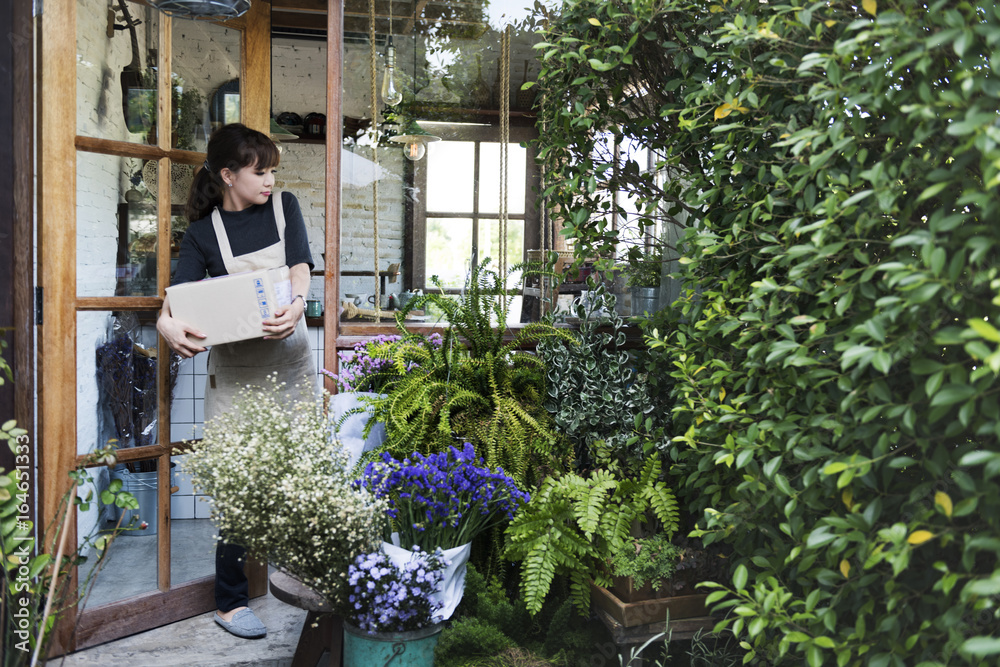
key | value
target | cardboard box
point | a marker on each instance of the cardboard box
(231, 308)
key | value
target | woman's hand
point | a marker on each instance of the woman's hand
(176, 333)
(285, 319)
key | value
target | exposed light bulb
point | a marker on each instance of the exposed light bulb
(391, 95)
(414, 149)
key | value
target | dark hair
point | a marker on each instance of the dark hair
(232, 146)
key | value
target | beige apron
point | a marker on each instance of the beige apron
(232, 366)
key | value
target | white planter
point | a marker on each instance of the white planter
(351, 433)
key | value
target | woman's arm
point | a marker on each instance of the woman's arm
(285, 319)
(176, 333)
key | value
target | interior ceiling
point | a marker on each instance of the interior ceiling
(408, 16)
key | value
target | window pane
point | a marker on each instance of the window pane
(489, 178)
(449, 243)
(116, 225)
(205, 80)
(489, 246)
(450, 176)
(116, 76)
(116, 379)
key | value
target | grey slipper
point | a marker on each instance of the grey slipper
(244, 624)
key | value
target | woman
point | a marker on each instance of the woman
(241, 224)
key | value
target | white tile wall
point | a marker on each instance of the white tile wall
(187, 416)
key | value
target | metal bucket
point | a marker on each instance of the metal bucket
(645, 300)
(142, 485)
(395, 649)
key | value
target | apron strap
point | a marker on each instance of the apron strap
(220, 229)
(220, 234)
(279, 214)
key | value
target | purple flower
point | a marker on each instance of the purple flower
(372, 365)
(443, 499)
(393, 599)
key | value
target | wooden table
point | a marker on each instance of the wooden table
(322, 632)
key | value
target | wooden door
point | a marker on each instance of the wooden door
(124, 115)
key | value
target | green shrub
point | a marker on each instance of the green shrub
(468, 639)
(837, 374)
(597, 397)
(650, 559)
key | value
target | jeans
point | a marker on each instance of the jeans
(232, 589)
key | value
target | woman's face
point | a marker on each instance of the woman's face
(250, 185)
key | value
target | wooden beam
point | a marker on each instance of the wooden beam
(120, 619)
(22, 40)
(138, 151)
(335, 128)
(255, 68)
(295, 20)
(57, 269)
(164, 197)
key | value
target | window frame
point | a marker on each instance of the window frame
(415, 253)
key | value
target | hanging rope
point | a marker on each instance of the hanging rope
(548, 233)
(374, 127)
(504, 139)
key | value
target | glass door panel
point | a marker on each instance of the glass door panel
(128, 566)
(116, 379)
(192, 531)
(116, 64)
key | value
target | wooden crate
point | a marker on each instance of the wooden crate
(632, 614)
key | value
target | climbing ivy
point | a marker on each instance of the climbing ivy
(837, 374)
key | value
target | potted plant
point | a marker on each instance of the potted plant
(643, 567)
(289, 497)
(366, 372)
(441, 501)
(596, 394)
(580, 518)
(472, 384)
(643, 277)
(392, 603)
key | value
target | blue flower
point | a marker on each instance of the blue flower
(443, 499)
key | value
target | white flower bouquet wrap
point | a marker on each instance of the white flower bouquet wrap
(281, 488)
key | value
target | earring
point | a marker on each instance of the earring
(229, 184)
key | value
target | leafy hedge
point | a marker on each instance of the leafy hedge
(837, 376)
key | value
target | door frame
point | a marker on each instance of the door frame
(58, 146)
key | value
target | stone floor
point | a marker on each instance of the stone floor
(130, 569)
(200, 642)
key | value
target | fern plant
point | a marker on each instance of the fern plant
(574, 523)
(471, 386)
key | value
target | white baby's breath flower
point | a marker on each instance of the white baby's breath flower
(282, 488)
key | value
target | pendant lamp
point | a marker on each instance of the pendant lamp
(202, 9)
(278, 133)
(414, 139)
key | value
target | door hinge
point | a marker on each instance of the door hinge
(36, 7)
(39, 300)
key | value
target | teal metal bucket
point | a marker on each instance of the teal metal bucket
(390, 649)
